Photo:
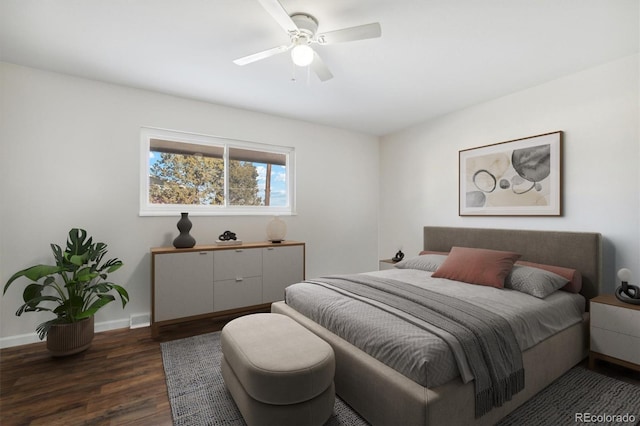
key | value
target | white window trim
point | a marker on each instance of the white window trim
(147, 209)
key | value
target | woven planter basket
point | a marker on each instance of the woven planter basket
(69, 339)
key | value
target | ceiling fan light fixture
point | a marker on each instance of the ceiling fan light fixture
(302, 30)
(302, 55)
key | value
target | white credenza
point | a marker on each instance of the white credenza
(209, 281)
(615, 332)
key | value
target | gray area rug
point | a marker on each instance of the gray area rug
(198, 395)
(580, 397)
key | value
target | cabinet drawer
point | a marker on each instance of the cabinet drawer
(236, 293)
(621, 320)
(237, 263)
(614, 344)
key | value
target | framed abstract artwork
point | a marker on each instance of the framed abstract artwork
(522, 177)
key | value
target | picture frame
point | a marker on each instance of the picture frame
(521, 177)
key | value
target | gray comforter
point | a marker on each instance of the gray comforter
(417, 349)
(486, 339)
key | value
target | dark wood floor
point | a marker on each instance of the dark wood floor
(118, 381)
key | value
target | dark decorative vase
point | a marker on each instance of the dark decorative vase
(184, 240)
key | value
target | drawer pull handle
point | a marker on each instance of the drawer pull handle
(238, 279)
(269, 248)
(238, 250)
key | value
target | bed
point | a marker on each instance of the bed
(384, 396)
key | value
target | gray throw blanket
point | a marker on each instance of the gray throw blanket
(486, 338)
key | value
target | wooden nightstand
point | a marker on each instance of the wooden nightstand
(386, 264)
(615, 332)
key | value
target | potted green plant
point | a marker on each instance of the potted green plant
(73, 289)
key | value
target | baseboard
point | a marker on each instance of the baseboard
(19, 340)
(25, 339)
(111, 325)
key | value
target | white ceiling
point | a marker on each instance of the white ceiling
(434, 56)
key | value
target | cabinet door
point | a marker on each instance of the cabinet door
(237, 263)
(282, 266)
(183, 285)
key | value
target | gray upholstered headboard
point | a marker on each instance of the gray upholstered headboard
(578, 250)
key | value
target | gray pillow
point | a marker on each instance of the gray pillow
(426, 262)
(534, 281)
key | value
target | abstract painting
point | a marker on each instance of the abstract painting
(521, 177)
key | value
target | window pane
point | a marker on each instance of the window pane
(185, 179)
(251, 180)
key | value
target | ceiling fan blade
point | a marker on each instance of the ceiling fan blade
(261, 55)
(320, 68)
(281, 16)
(360, 32)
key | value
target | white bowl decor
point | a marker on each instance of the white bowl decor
(276, 230)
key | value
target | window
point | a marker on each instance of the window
(208, 175)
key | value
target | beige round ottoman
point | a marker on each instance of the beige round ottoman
(278, 372)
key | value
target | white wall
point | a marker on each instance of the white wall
(69, 158)
(598, 111)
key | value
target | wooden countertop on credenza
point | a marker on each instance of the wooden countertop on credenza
(257, 244)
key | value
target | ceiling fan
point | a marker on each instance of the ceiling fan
(302, 30)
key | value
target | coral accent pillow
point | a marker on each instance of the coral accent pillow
(477, 266)
(573, 276)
